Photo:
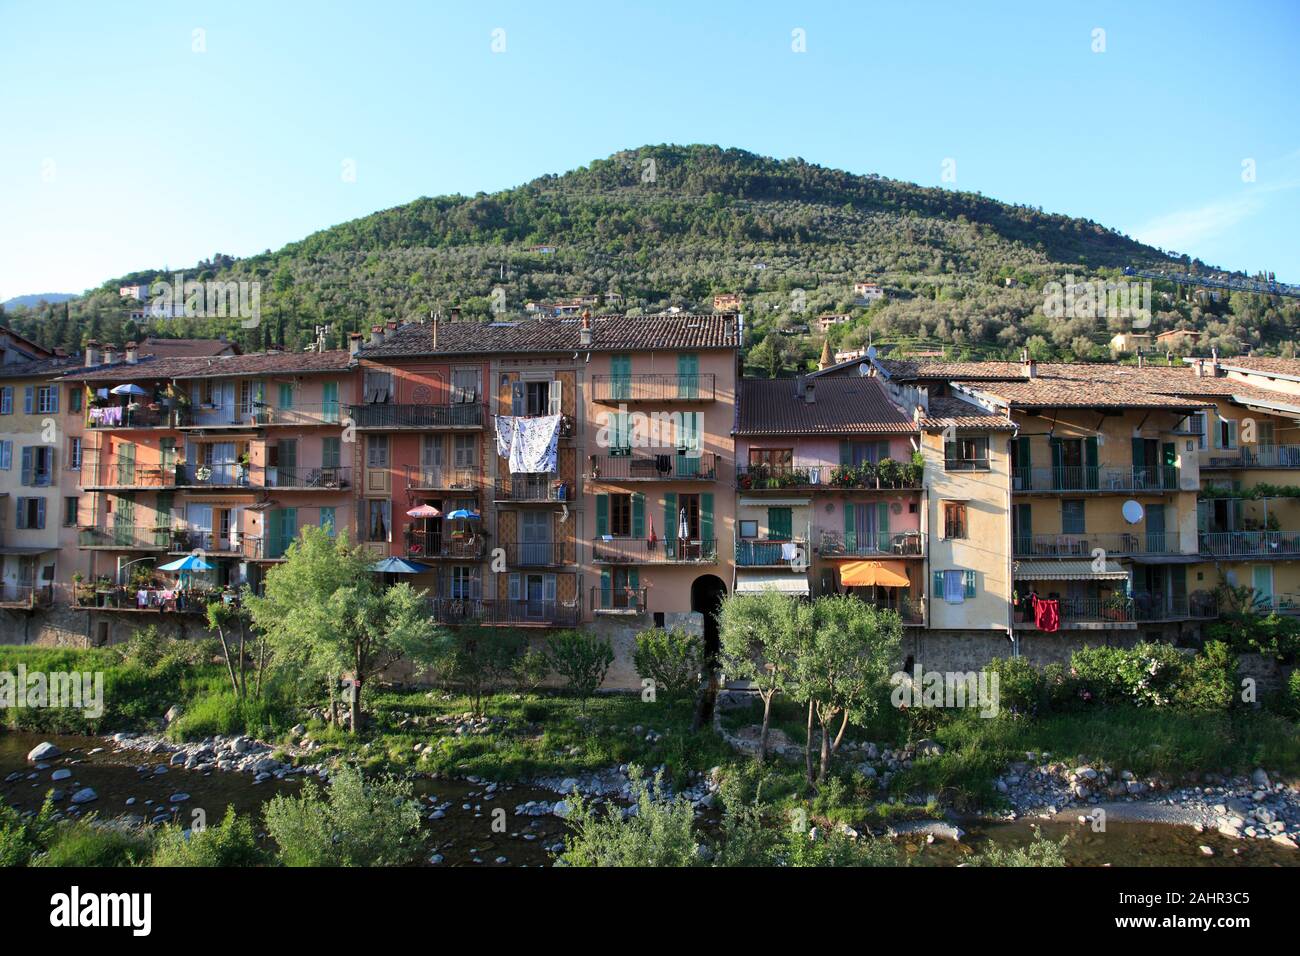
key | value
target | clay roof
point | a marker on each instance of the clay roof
(905, 370)
(609, 333)
(1067, 393)
(38, 368)
(219, 366)
(843, 406)
(946, 411)
(186, 348)
(1264, 366)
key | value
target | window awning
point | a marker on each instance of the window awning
(1067, 571)
(752, 582)
(865, 574)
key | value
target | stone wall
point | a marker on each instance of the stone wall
(61, 626)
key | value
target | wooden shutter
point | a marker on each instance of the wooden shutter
(602, 515)
(638, 515)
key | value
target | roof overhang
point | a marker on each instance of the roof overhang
(1067, 571)
(755, 582)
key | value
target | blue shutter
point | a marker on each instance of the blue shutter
(968, 579)
(602, 515)
(29, 394)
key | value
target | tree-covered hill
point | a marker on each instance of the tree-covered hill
(669, 226)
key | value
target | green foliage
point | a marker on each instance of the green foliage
(834, 847)
(1291, 697)
(582, 659)
(482, 659)
(1248, 626)
(86, 843)
(1041, 852)
(672, 659)
(659, 834)
(357, 823)
(21, 838)
(221, 712)
(1020, 685)
(530, 670)
(230, 843)
(1146, 675)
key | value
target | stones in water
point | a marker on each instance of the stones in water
(43, 751)
(85, 795)
(61, 774)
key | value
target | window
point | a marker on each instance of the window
(327, 520)
(377, 451)
(954, 519)
(749, 528)
(1072, 516)
(620, 515)
(6, 454)
(465, 451)
(47, 399)
(70, 511)
(955, 586)
(31, 513)
(74, 454)
(75, 395)
(462, 582)
(537, 398)
(7, 400)
(378, 386)
(286, 395)
(967, 454)
(1199, 425)
(772, 460)
(780, 523)
(331, 452)
(464, 385)
(858, 453)
(377, 526)
(1227, 434)
(38, 465)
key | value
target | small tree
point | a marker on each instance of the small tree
(232, 624)
(482, 659)
(582, 659)
(672, 659)
(659, 834)
(762, 636)
(844, 671)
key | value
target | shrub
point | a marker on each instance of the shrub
(582, 659)
(672, 659)
(1146, 675)
(357, 823)
(1020, 685)
(22, 838)
(834, 847)
(481, 659)
(229, 843)
(1210, 681)
(1041, 852)
(530, 669)
(90, 843)
(221, 712)
(1291, 700)
(659, 834)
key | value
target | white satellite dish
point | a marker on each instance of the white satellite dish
(1132, 511)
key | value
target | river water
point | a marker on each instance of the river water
(464, 835)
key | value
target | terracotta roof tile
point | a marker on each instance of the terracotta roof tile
(947, 411)
(220, 366)
(843, 406)
(1067, 393)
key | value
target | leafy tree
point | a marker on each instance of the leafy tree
(482, 658)
(761, 638)
(326, 613)
(582, 659)
(672, 659)
(659, 834)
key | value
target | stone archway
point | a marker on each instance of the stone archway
(707, 592)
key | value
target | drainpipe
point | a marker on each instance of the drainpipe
(1011, 554)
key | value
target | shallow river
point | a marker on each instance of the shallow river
(464, 836)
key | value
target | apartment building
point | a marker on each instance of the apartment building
(828, 497)
(224, 457)
(621, 528)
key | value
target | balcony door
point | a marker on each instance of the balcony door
(1155, 529)
(535, 542)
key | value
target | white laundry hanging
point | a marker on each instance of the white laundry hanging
(534, 445)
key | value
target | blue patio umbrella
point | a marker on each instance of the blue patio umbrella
(128, 389)
(191, 562)
(399, 566)
(463, 513)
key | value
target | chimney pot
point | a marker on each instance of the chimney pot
(455, 314)
(376, 335)
(131, 353)
(92, 353)
(110, 353)
(355, 340)
(809, 391)
(584, 335)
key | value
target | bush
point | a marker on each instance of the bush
(1210, 681)
(672, 659)
(1020, 685)
(582, 659)
(22, 838)
(480, 660)
(1147, 675)
(89, 843)
(659, 834)
(1291, 701)
(229, 843)
(834, 847)
(357, 823)
(1041, 852)
(221, 712)
(530, 669)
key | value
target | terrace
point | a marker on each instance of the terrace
(886, 475)
(663, 466)
(522, 613)
(653, 387)
(124, 538)
(25, 596)
(1095, 479)
(905, 544)
(541, 489)
(437, 478)
(1254, 456)
(611, 550)
(1082, 545)
(619, 601)
(380, 417)
(1250, 544)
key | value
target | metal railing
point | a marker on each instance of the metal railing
(186, 540)
(26, 595)
(441, 478)
(1155, 606)
(114, 472)
(653, 387)
(896, 543)
(1086, 610)
(619, 600)
(1097, 479)
(442, 544)
(542, 488)
(612, 550)
(213, 474)
(489, 612)
(417, 416)
(1082, 545)
(126, 537)
(759, 554)
(831, 477)
(99, 417)
(327, 413)
(1248, 544)
(538, 554)
(658, 466)
(329, 477)
(1257, 456)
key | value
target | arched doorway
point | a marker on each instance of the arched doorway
(707, 592)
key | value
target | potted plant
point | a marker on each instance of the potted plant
(888, 472)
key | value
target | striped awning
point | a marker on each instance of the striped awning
(752, 582)
(1067, 571)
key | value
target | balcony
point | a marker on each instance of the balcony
(324, 477)
(619, 601)
(768, 554)
(538, 554)
(665, 466)
(897, 476)
(1250, 544)
(1255, 456)
(439, 544)
(436, 478)
(1095, 479)
(125, 538)
(612, 550)
(1155, 606)
(1087, 613)
(522, 613)
(149, 600)
(375, 417)
(184, 541)
(107, 417)
(895, 544)
(25, 596)
(328, 413)
(1082, 545)
(653, 387)
(213, 474)
(542, 489)
(112, 472)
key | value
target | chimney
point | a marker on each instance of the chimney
(376, 335)
(584, 335)
(1214, 362)
(1030, 365)
(809, 391)
(110, 353)
(391, 326)
(1140, 362)
(355, 340)
(131, 354)
(435, 331)
(92, 353)
(455, 314)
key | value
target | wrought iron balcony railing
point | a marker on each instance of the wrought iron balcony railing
(443, 544)
(758, 554)
(1082, 545)
(1096, 479)
(439, 478)
(1250, 544)
(126, 537)
(540, 488)
(494, 613)
(324, 477)
(377, 415)
(836, 544)
(656, 466)
(614, 600)
(611, 550)
(653, 387)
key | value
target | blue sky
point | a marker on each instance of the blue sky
(122, 146)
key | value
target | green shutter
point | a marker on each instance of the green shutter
(1024, 529)
(1170, 476)
(1058, 460)
(1090, 460)
(780, 524)
(938, 585)
(602, 515)
(850, 535)
(688, 372)
(670, 523)
(968, 579)
(606, 588)
(846, 453)
(882, 526)
(638, 516)
(1022, 453)
(1139, 454)
(706, 519)
(634, 578)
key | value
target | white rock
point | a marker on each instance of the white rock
(84, 795)
(61, 774)
(43, 751)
